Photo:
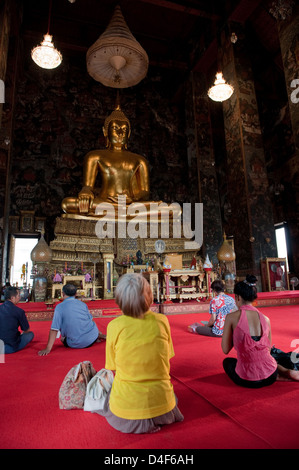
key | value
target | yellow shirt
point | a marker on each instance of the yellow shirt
(139, 349)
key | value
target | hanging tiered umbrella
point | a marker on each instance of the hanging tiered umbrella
(116, 59)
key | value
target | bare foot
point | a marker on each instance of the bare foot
(101, 337)
(156, 429)
(286, 375)
(294, 375)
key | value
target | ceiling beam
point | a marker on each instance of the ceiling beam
(182, 8)
(244, 10)
(240, 14)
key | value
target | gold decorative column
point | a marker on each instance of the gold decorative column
(108, 259)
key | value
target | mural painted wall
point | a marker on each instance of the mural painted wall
(201, 154)
(59, 118)
(247, 175)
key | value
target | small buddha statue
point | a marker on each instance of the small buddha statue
(139, 257)
(122, 172)
(157, 264)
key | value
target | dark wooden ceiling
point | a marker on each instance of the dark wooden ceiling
(178, 36)
(166, 29)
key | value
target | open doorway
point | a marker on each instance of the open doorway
(20, 260)
(281, 242)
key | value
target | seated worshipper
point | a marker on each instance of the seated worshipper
(220, 306)
(138, 349)
(249, 332)
(11, 318)
(74, 321)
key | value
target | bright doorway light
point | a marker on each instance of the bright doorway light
(281, 243)
(23, 248)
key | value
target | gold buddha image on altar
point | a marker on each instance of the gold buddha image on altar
(123, 173)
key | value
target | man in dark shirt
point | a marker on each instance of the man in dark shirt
(11, 318)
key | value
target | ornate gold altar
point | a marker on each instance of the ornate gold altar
(76, 244)
(184, 284)
(123, 175)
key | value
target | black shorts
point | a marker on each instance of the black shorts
(229, 366)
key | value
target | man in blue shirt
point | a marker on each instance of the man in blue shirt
(74, 321)
(11, 318)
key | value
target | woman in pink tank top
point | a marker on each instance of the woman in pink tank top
(248, 331)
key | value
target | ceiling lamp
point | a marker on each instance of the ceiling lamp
(234, 38)
(116, 59)
(221, 90)
(45, 55)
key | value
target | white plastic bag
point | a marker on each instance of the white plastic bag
(97, 390)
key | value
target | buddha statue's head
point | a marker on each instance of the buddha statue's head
(119, 120)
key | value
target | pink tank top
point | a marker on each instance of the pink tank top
(254, 359)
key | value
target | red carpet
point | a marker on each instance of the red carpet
(108, 307)
(218, 414)
(45, 311)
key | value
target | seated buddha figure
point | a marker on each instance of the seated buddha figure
(122, 172)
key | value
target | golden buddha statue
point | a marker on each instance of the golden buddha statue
(122, 172)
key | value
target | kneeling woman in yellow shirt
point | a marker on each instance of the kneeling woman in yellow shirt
(138, 349)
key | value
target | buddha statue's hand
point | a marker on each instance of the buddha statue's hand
(85, 199)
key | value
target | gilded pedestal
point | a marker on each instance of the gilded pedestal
(76, 243)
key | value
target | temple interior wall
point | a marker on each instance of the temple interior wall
(53, 118)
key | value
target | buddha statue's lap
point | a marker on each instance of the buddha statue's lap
(123, 173)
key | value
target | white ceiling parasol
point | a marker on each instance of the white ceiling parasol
(116, 59)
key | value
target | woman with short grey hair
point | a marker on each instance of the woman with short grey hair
(139, 348)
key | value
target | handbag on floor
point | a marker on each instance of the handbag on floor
(289, 360)
(73, 388)
(97, 390)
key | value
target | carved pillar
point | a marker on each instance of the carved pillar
(4, 40)
(202, 146)
(10, 19)
(289, 43)
(251, 220)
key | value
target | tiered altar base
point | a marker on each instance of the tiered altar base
(77, 242)
(109, 308)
